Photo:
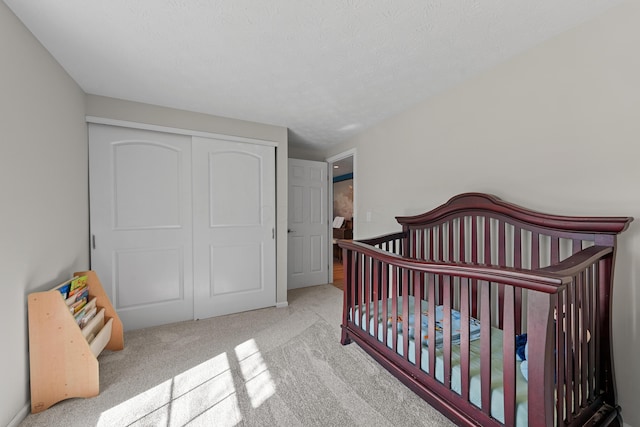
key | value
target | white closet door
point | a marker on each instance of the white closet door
(234, 226)
(141, 213)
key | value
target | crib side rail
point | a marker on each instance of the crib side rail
(565, 379)
(390, 243)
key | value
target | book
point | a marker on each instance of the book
(93, 326)
(77, 283)
(88, 311)
(88, 315)
(78, 295)
(64, 290)
(83, 293)
(80, 314)
(77, 306)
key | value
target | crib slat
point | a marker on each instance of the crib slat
(394, 308)
(376, 295)
(500, 304)
(487, 240)
(517, 263)
(509, 358)
(464, 338)
(441, 254)
(356, 286)
(462, 244)
(582, 315)
(568, 344)
(414, 244)
(599, 313)
(474, 298)
(591, 310)
(384, 268)
(561, 303)
(574, 315)
(367, 297)
(576, 246)
(417, 320)
(432, 325)
(446, 321)
(452, 249)
(474, 239)
(517, 246)
(432, 233)
(555, 250)
(405, 313)
(485, 346)
(502, 243)
(535, 250)
(425, 238)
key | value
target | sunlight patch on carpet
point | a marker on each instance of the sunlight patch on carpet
(205, 393)
(255, 372)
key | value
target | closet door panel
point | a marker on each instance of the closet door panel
(160, 185)
(235, 189)
(234, 226)
(141, 213)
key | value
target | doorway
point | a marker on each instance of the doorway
(342, 202)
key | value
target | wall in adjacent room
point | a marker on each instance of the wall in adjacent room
(343, 199)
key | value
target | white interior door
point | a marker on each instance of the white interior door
(234, 226)
(308, 225)
(140, 198)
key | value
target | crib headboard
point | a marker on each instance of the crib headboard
(483, 229)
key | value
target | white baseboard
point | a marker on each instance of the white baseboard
(20, 416)
(282, 304)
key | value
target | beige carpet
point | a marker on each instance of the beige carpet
(270, 367)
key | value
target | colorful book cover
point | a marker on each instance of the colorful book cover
(64, 290)
(77, 283)
(77, 296)
(82, 293)
(77, 306)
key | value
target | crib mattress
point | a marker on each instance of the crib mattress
(497, 396)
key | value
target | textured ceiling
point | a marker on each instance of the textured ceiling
(326, 69)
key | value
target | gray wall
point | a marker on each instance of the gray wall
(556, 129)
(44, 189)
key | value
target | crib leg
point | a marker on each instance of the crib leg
(618, 420)
(607, 415)
(345, 338)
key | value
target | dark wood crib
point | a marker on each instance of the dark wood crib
(470, 278)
